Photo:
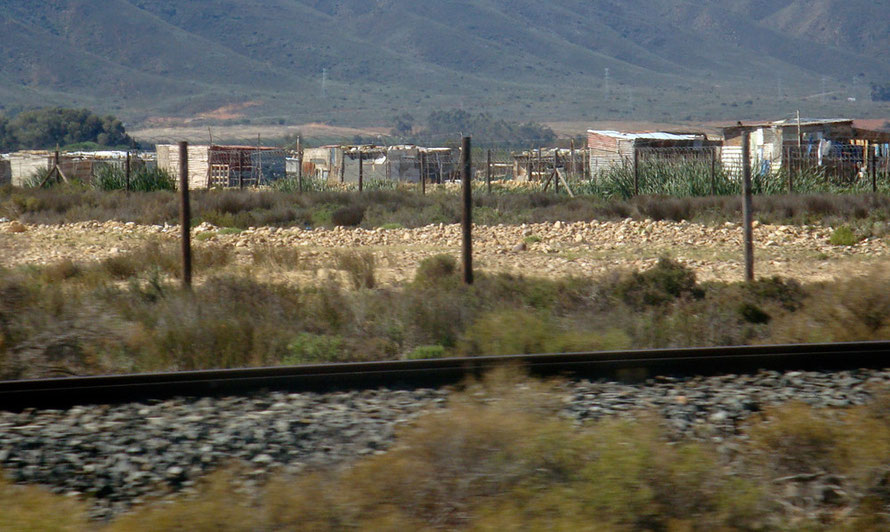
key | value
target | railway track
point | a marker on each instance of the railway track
(623, 365)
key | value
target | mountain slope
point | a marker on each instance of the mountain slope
(519, 58)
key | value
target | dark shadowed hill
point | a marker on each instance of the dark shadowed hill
(358, 61)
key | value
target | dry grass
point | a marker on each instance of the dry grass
(33, 509)
(377, 208)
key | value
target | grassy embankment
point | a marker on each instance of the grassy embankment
(128, 313)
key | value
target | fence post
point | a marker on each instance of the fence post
(300, 164)
(571, 173)
(488, 170)
(127, 172)
(528, 169)
(466, 168)
(361, 169)
(636, 171)
(185, 215)
(747, 212)
(555, 171)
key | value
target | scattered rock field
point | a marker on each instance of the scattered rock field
(546, 249)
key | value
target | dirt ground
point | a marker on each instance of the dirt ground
(546, 250)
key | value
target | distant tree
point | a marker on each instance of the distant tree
(7, 141)
(404, 125)
(46, 128)
(486, 129)
(880, 93)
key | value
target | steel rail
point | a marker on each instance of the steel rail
(624, 365)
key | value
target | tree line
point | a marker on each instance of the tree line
(57, 126)
(445, 125)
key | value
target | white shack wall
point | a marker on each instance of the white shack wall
(199, 163)
(23, 166)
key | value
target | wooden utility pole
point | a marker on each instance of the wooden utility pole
(488, 171)
(747, 207)
(185, 215)
(127, 173)
(466, 168)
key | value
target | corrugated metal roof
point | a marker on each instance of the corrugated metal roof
(654, 135)
(810, 121)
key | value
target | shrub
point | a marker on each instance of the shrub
(666, 281)
(797, 439)
(314, 348)
(348, 216)
(513, 332)
(854, 309)
(436, 270)
(843, 236)
(359, 266)
(426, 351)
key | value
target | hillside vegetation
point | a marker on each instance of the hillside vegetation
(526, 60)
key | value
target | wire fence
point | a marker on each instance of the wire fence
(663, 171)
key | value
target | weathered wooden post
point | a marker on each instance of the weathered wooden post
(571, 173)
(185, 215)
(556, 170)
(488, 171)
(466, 168)
(127, 173)
(873, 166)
(747, 207)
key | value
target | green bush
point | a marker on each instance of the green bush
(426, 351)
(665, 282)
(314, 348)
(436, 271)
(843, 236)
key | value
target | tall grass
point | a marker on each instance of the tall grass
(142, 179)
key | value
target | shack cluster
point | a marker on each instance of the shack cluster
(834, 144)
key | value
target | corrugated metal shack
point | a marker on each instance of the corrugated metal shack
(833, 144)
(212, 166)
(405, 163)
(608, 148)
(80, 166)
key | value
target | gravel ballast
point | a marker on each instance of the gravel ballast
(119, 455)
